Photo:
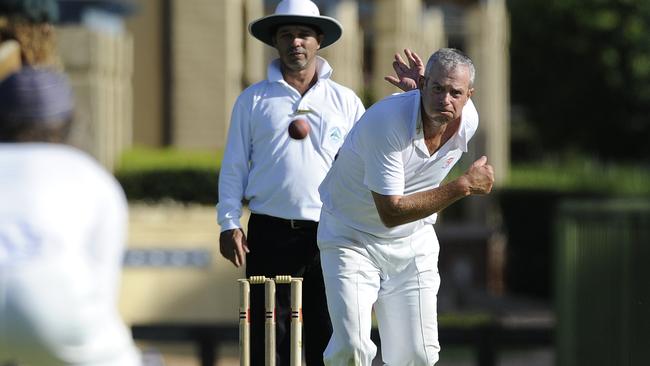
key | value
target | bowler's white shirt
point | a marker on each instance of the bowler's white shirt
(63, 222)
(277, 175)
(385, 153)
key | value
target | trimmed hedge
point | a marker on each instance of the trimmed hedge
(147, 159)
(187, 185)
(581, 176)
(154, 175)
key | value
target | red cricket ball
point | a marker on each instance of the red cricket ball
(298, 129)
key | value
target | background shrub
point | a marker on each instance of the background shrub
(154, 175)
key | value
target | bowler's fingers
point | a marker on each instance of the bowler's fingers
(399, 60)
(400, 68)
(393, 80)
(414, 60)
(486, 178)
(481, 176)
(481, 161)
(489, 169)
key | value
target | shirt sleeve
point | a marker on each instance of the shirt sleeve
(359, 109)
(382, 156)
(233, 176)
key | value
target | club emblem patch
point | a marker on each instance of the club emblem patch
(448, 162)
(335, 135)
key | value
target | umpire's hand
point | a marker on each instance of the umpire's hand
(233, 246)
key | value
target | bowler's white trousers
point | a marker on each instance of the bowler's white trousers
(398, 276)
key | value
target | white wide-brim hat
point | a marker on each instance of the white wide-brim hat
(296, 12)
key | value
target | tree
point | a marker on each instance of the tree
(581, 70)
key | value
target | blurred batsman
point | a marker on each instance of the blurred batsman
(62, 232)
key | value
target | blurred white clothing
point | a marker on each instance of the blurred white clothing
(63, 222)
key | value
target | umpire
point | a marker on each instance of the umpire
(278, 173)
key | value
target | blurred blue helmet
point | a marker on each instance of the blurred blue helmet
(35, 96)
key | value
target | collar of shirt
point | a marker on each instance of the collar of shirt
(274, 71)
(460, 138)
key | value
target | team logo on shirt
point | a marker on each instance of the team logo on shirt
(448, 162)
(335, 135)
(18, 242)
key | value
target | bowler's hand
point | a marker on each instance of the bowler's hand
(408, 76)
(479, 177)
(233, 246)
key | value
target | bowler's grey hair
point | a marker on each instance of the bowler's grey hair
(449, 59)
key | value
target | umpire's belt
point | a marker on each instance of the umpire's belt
(292, 224)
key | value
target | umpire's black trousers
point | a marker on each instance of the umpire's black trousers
(287, 247)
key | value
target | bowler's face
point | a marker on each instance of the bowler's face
(297, 46)
(445, 93)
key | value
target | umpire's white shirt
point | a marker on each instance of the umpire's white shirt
(62, 233)
(278, 175)
(385, 153)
